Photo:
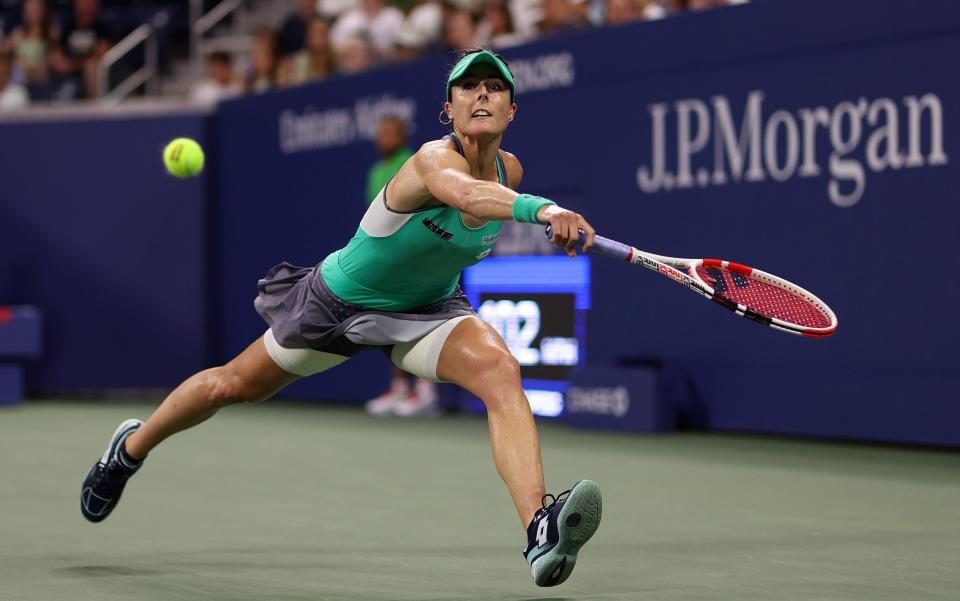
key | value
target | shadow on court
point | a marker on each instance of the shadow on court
(105, 571)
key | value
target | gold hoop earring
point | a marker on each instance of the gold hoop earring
(440, 118)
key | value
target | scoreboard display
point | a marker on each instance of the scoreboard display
(538, 305)
(538, 327)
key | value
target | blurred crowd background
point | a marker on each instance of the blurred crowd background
(55, 51)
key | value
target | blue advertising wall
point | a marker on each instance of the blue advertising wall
(810, 139)
(813, 139)
(111, 249)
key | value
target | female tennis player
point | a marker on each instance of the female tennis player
(395, 285)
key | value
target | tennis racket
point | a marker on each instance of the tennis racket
(746, 291)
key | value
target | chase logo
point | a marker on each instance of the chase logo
(598, 400)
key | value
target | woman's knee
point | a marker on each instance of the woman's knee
(476, 358)
(227, 387)
(495, 368)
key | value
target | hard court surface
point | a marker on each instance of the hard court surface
(290, 502)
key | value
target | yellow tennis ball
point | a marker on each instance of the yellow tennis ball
(183, 157)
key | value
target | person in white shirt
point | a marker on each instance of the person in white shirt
(459, 30)
(374, 21)
(222, 81)
(497, 29)
(422, 26)
(12, 96)
(354, 55)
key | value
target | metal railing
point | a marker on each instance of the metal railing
(147, 75)
(146, 35)
(203, 23)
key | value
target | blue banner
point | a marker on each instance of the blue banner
(801, 138)
(612, 398)
(109, 247)
(811, 139)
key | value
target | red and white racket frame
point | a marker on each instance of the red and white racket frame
(684, 272)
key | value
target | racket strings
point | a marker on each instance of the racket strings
(765, 298)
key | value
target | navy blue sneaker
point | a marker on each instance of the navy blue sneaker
(104, 483)
(558, 530)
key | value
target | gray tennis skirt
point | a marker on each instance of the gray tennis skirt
(303, 313)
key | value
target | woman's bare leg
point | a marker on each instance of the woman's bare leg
(475, 357)
(252, 376)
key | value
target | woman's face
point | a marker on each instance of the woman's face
(317, 36)
(459, 30)
(480, 102)
(497, 17)
(262, 56)
(620, 11)
(34, 11)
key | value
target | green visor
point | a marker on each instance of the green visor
(484, 56)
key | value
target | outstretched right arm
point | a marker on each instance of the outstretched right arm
(446, 176)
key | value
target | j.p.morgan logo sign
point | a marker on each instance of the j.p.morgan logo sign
(712, 149)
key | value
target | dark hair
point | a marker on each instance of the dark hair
(265, 32)
(46, 25)
(395, 118)
(318, 17)
(465, 52)
(220, 57)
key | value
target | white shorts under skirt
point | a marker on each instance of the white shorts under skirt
(312, 329)
(418, 357)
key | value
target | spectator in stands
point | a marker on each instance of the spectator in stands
(221, 83)
(12, 96)
(526, 14)
(650, 10)
(400, 399)
(410, 43)
(580, 13)
(354, 55)
(293, 32)
(497, 29)
(459, 31)
(263, 61)
(698, 5)
(558, 17)
(316, 61)
(83, 42)
(392, 146)
(620, 11)
(332, 9)
(421, 28)
(374, 21)
(32, 44)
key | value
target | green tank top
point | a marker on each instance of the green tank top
(401, 261)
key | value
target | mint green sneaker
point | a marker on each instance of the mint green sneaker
(558, 530)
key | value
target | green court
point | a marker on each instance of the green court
(290, 502)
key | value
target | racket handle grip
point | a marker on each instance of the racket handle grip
(604, 246)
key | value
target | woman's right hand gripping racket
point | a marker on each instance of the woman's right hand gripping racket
(748, 292)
